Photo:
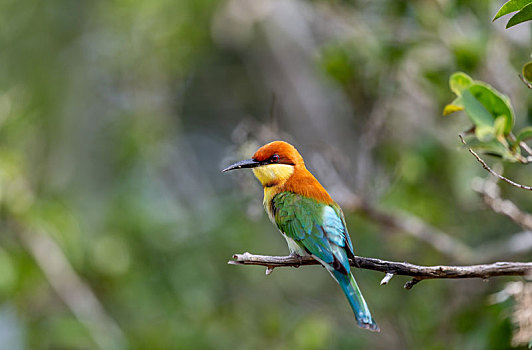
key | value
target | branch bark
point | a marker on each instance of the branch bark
(417, 272)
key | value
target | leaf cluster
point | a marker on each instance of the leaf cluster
(523, 9)
(492, 115)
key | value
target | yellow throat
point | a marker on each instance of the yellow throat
(273, 174)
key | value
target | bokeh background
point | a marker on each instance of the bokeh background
(116, 118)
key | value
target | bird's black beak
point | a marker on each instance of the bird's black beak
(248, 163)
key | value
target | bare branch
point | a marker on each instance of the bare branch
(516, 244)
(414, 226)
(491, 194)
(485, 166)
(526, 148)
(412, 282)
(74, 292)
(418, 273)
(528, 85)
(386, 278)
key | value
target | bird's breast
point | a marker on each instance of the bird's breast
(269, 193)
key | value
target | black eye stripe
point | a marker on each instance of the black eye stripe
(276, 159)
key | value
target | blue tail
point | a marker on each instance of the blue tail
(356, 300)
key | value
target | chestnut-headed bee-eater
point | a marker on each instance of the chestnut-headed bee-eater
(310, 221)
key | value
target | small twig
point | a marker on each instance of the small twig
(418, 272)
(526, 148)
(528, 85)
(386, 279)
(485, 166)
(411, 283)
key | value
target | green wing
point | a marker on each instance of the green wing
(320, 230)
(316, 227)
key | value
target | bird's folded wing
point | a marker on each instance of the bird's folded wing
(317, 227)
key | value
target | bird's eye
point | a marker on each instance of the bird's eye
(275, 158)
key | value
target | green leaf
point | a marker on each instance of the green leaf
(494, 102)
(511, 6)
(499, 126)
(459, 82)
(484, 133)
(493, 147)
(525, 134)
(454, 106)
(475, 110)
(527, 71)
(522, 16)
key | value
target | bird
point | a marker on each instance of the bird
(308, 218)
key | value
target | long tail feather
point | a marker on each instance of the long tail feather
(356, 300)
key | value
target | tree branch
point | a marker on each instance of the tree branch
(418, 273)
(485, 166)
(527, 84)
(519, 243)
(73, 291)
(491, 194)
(413, 226)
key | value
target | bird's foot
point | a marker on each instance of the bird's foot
(298, 257)
(355, 263)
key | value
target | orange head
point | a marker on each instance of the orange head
(273, 163)
(280, 167)
(278, 152)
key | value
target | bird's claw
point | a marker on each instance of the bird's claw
(298, 257)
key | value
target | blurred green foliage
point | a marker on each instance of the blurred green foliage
(116, 117)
